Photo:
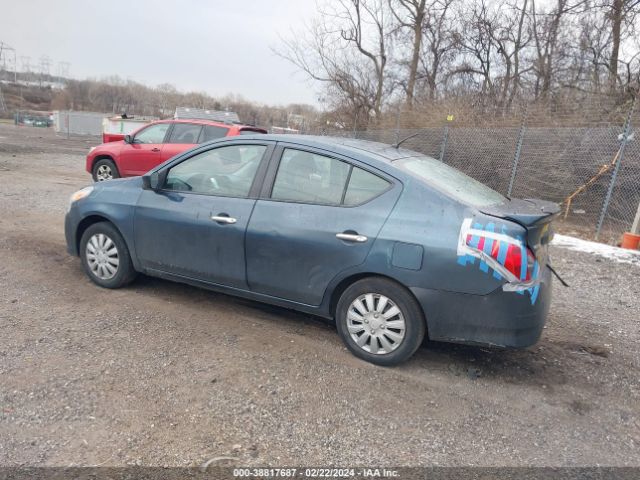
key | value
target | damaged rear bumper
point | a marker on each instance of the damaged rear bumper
(501, 318)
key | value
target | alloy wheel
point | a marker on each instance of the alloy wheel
(104, 173)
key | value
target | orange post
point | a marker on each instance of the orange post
(630, 241)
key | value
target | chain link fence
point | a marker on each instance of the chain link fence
(586, 158)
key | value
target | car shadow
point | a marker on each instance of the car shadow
(544, 364)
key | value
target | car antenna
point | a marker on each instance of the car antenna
(397, 144)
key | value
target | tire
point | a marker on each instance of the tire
(104, 169)
(393, 344)
(104, 267)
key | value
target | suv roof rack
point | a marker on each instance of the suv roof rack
(202, 114)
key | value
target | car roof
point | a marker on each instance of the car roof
(351, 147)
(199, 121)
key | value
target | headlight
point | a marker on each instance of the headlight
(92, 149)
(79, 195)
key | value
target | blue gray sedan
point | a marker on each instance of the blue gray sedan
(391, 244)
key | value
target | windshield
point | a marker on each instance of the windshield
(450, 180)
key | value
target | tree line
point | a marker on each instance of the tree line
(376, 58)
(116, 95)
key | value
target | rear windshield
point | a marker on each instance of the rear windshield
(450, 180)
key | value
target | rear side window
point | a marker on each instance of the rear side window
(184, 133)
(363, 186)
(246, 131)
(450, 180)
(310, 178)
(211, 132)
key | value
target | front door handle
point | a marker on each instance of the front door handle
(155, 149)
(351, 237)
(226, 219)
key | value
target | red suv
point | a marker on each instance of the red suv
(153, 144)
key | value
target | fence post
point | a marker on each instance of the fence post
(623, 143)
(516, 157)
(355, 125)
(635, 228)
(443, 148)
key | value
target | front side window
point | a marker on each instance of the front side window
(226, 171)
(185, 133)
(211, 132)
(310, 178)
(153, 133)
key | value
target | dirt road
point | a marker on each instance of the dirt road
(165, 374)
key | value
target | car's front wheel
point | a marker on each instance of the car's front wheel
(380, 321)
(104, 169)
(105, 256)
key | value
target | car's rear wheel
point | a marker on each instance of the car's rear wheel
(380, 321)
(104, 169)
(105, 256)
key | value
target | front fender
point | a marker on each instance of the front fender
(115, 203)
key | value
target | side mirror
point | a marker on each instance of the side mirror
(152, 181)
(128, 139)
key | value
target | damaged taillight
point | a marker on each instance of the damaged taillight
(506, 255)
(513, 260)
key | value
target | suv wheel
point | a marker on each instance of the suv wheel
(105, 256)
(380, 321)
(104, 169)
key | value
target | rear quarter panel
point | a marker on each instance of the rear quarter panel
(418, 245)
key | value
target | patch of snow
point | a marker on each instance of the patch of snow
(621, 255)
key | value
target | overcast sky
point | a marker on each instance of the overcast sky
(215, 46)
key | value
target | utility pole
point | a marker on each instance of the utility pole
(45, 66)
(3, 58)
(25, 66)
(3, 106)
(62, 71)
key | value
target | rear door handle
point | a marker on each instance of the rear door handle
(155, 149)
(351, 237)
(226, 219)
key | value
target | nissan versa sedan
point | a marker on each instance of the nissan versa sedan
(391, 244)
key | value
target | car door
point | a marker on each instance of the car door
(321, 217)
(143, 153)
(195, 225)
(183, 136)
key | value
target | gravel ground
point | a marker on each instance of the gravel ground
(165, 374)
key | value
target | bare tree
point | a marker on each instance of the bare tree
(347, 49)
(410, 15)
(545, 32)
(439, 39)
(621, 15)
(477, 47)
(520, 40)
(495, 38)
